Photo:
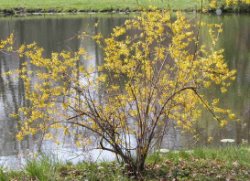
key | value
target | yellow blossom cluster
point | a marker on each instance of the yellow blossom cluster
(228, 3)
(237, 2)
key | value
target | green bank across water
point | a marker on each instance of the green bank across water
(17, 7)
(98, 5)
(23, 7)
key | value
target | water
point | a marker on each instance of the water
(236, 41)
(56, 33)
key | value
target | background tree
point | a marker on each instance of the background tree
(154, 71)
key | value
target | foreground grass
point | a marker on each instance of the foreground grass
(98, 5)
(231, 163)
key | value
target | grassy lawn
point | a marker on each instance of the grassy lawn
(98, 5)
(232, 163)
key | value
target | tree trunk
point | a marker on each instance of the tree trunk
(135, 169)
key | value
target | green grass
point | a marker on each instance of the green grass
(42, 168)
(199, 164)
(98, 5)
(107, 171)
(202, 164)
(57, 6)
(3, 175)
(227, 154)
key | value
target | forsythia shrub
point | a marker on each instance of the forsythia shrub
(155, 70)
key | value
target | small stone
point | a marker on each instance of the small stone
(218, 11)
(227, 140)
(163, 150)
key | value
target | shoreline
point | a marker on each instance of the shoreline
(54, 11)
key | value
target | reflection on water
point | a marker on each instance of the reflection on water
(54, 34)
(236, 41)
(58, 33)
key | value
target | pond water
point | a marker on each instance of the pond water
(56, 33)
